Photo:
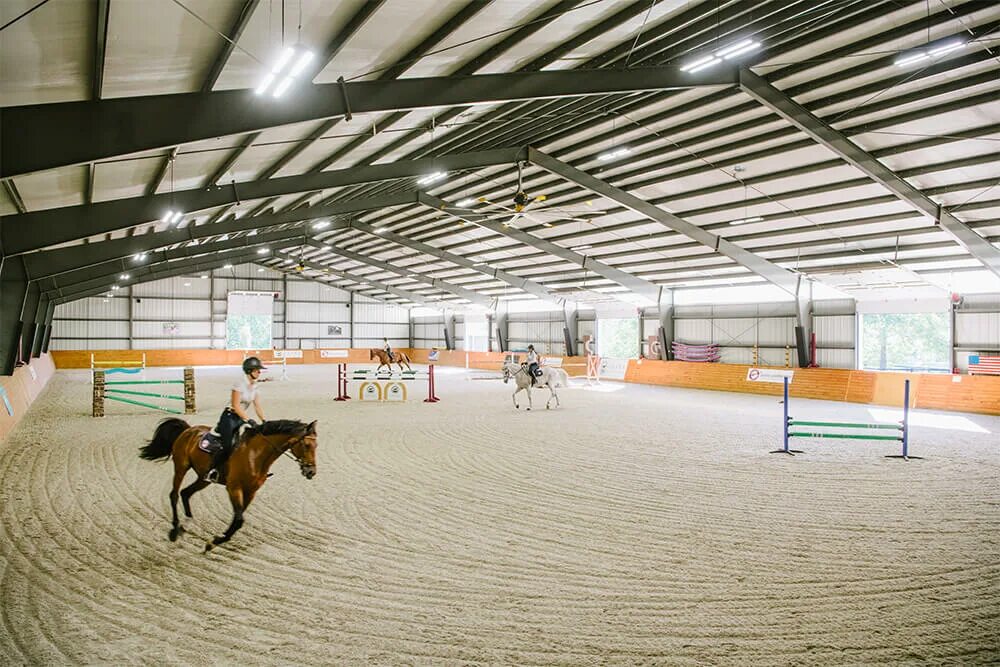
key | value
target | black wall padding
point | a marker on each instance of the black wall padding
(802, 347)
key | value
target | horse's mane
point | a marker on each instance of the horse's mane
(276, 427)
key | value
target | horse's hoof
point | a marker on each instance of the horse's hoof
(208, 546)
(175, 533)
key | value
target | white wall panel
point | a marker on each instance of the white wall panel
(377, 331)
(104, 328)
(302, 290)
(835, 358)
(977, 329)
(170, 310)
(736, 355)
(774, 331)
(693, 331)
(334, 313)
(156, 330)
(734, 331)
(303, 312)
(834, 330)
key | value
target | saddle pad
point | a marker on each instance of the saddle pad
(210, 443)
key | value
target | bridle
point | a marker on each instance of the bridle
(509, 374)
(286, 449)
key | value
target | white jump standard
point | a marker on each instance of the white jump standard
(382, 386)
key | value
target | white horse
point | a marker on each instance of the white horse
(550, 377)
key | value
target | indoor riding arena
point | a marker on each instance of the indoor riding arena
(516, 332)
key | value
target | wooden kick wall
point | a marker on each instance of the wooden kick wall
(962, 393)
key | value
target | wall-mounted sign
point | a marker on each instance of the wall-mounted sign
(333, 354)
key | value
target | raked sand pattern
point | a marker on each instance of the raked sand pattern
(634, 526)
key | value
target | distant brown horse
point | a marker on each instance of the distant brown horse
(398, 358)
(246, 469)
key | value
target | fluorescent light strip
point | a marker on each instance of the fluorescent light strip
(431, 178)
(711, 62)
(301, 63)
(611, 155)
(746, 49)
(283, 86)
(911, 59)
(746, 221)
(946, 48)
(465, 203)
(732, 48)
(696, 63)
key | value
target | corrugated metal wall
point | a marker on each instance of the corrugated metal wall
(977, 328)
(306, 314)
(428, 331)
(544, 330)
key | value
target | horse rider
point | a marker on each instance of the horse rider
(387, 349)
(242, 396)
(532, 362)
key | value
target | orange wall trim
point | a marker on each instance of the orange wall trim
(22, 388)
(962, 393)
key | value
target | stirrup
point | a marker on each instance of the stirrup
(212, 475)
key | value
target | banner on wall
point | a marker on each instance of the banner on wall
(249, 320)
(288, 354)
(171, 329)
(333, 354)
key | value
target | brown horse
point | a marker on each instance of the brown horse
(244, 472)
(399, 358)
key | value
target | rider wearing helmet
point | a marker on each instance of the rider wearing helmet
(532, 362)
(242, 396)
(387, 349)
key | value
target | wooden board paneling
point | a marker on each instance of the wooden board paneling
(979, 393)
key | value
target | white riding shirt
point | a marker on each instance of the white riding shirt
(532, 357)
(248, 391)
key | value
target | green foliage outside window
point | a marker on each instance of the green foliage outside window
(248, 332)
(618, 338)
(905, 341)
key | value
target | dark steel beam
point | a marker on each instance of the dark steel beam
(102, 10)
(102, 283)
(352, 26)
(60, 260)
(246, 12)
(47, 136)
(109, 272)
(365, 12)
(825, 135)
(637, 285)
(14, 195)
(40, 229)
(401, 293)
(460, 292)
(529, 286)
(403, 63)
(161, 172)
(783, 278)
(174, 269)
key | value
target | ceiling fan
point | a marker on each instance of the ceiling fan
(520, 206)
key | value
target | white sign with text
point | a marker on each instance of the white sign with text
(768, 375)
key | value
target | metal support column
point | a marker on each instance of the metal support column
(39, 327)
(13, 289)
(49, 315)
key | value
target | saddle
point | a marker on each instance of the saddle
(210, 444)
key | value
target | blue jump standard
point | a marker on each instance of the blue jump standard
(903, 428)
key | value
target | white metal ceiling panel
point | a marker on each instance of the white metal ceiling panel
(46, 56)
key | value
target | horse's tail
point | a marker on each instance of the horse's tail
(162, 444)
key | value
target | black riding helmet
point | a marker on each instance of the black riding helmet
(251, 364)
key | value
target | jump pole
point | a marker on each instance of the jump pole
(101, 393)
(903, 427)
